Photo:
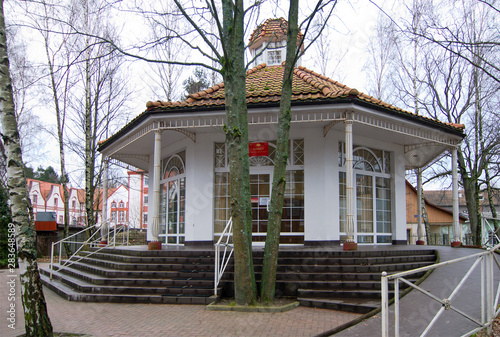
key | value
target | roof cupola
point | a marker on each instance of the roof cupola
(268, 42)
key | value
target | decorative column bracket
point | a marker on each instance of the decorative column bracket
(330, 125)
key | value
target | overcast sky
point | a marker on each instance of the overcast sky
(353, 24)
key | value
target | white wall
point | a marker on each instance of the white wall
(199, 183)
(320, 173)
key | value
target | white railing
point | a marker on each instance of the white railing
(225, 240)
(94, 240)
(489, 299)
(489, 234)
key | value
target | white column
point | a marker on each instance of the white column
(155, 228)
(104, 215)
(350, 243)
(456, 221)
(420, 226)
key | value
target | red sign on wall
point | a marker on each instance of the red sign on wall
(258, 149)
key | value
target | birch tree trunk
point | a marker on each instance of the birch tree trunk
(37, 322)
(270, 263)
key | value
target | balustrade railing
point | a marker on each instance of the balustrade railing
(95, 239)
(225, 240)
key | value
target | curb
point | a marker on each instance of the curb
(242, 308)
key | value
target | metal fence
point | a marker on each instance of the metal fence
(480, 279)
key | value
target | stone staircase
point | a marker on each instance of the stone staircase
(132, 276)
(322, 278)
(346, 281)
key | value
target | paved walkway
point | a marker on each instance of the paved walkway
(109, 319)
(417, 310)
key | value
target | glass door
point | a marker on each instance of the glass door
(260, 190)
(173, 210)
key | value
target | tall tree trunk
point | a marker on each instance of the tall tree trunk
(233, 72)
(490, 191)
(60, 118)
(471, 192)
(37, 322)
(270, 263)
(89, 163)
(425, 219)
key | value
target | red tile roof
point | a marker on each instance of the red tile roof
(264, 84)
(271, 29)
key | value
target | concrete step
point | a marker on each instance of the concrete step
(74, 289)
(99, 281)
(359, 261)
(341, 294)
(209, 260)
(349, 305)
(179, 266)
(150, 274)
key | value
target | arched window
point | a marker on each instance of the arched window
(173, 166)
(365, 159)
(373, 213)
(173, 199)
(120, 205)
(113, 204)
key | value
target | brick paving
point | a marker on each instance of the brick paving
(111, 319)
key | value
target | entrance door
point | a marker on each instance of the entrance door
(175, 211)
(260, 190)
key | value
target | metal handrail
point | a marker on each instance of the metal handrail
(488, 306)
(91, 242)
(489, 241)
(220, 265)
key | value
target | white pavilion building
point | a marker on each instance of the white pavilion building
(348, 153)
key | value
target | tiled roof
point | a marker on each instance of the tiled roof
(445, 198)
(431, 202)
(275, 29)
(46, 188)
(263, 85)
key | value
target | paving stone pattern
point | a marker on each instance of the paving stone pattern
(112, 319)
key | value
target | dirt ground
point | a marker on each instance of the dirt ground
(496, 330)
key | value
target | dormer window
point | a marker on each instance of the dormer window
(268, 42)
(55, 202)
(274, 57)
(35, 198)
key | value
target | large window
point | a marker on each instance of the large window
(372, 174)
(173, 199)
(261, 170)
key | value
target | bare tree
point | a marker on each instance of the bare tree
(37, 322)
(227, 58)
(59, 63)
(25, 77)
(459, 91)
(165, 77)
(381, 57)
(99, 95)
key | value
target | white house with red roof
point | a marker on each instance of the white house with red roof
(49, 197)
(348, 153)
(46, 197)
